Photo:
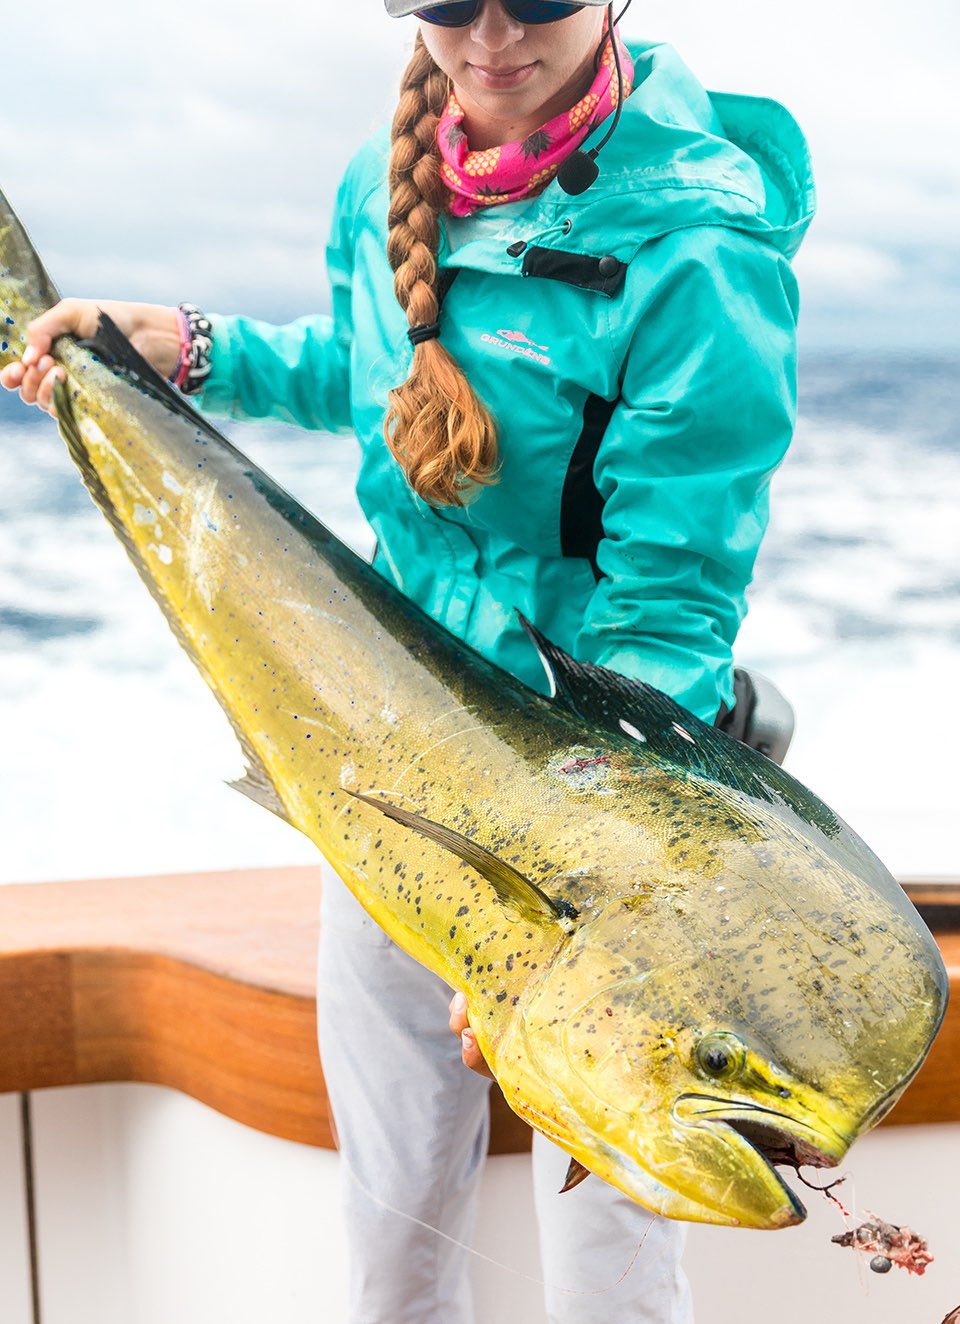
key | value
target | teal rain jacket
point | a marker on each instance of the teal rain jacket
(636, 346)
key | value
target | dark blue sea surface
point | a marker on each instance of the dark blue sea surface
(910, 395)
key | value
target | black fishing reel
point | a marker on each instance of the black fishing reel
(760, 717)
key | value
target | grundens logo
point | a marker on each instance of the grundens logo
(518, 343)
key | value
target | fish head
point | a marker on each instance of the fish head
(689, 1059)
(747, 986)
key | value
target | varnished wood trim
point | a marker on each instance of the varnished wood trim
(248, 1052)
(934, 1096)
(938, 903)
(205, 984)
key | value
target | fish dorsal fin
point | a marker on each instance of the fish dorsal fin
(632, 708)
(116, 352)
(515, 891)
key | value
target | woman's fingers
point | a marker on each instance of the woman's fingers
(36, 383)
(11, 376)
(39, 343)
(37, 373)
(29, 384)
(458, 1013)
(469, 1048)
(471, 1055)
(32, 377)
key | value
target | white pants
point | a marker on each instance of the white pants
(412, 1124)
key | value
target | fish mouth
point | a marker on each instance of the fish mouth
(772, 1138)
(778, 1147)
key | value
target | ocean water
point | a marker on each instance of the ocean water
(114, 755)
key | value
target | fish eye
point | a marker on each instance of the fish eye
(721, 1056)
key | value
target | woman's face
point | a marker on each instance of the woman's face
(510, 77)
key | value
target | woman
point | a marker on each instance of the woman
(570, 398)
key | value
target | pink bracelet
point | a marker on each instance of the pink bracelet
(196, 348)
(184, 363)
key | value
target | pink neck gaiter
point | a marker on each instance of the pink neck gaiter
(522, 169)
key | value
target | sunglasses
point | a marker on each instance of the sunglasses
(461, 13)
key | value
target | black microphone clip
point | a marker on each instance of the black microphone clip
(578, 172)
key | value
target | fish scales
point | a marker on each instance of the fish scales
(680, 964)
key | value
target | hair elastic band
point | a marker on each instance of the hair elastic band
(424, 331)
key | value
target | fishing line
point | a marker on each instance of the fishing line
(850, 1218)
(825, 1190)
(488, 1259)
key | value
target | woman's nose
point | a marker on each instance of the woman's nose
(494, 29)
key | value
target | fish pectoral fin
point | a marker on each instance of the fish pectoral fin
(576, 1173)
(514, 890)
(256, 785)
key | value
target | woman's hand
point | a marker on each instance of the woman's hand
(153, 329)
(469, 1049)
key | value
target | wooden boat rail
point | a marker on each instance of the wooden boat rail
(205, 983)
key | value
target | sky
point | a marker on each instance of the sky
(197, 157)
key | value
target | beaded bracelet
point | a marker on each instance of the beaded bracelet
(196, 344)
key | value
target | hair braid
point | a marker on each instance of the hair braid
(439, 432)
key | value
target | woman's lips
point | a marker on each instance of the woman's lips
(502, 78)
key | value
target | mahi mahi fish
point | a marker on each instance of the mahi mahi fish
(681, 966)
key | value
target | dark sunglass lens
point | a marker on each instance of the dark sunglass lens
(540, 11)
(460, 14)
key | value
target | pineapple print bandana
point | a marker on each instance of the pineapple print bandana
(522, 169)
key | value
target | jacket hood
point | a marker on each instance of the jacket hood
(707, 158)
(680, 157)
